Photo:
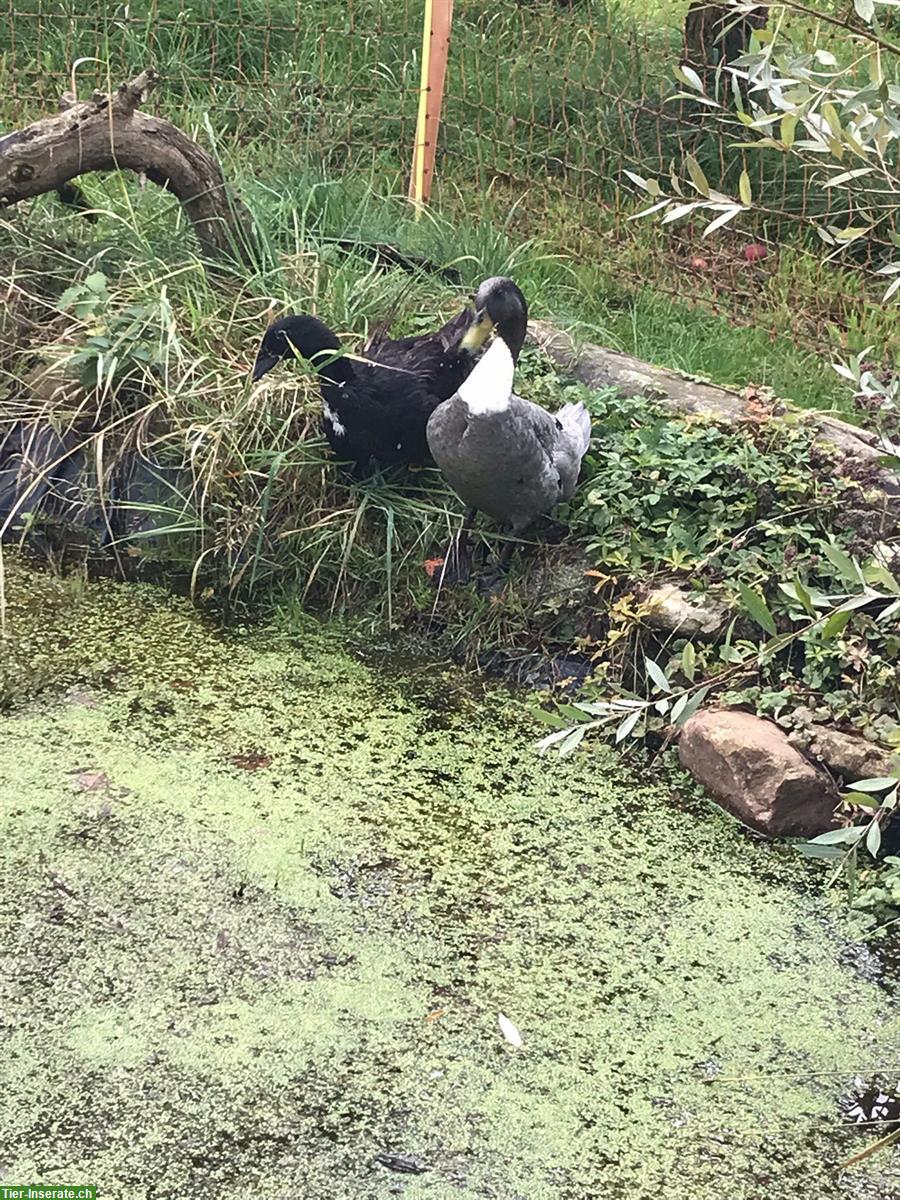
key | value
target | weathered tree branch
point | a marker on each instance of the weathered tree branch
(109, 133)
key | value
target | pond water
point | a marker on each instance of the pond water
(263, 904)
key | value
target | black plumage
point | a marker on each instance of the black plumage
(376, 406)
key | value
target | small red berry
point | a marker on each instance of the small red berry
(755, 251)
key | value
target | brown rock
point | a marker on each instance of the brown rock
(755, 773)
(848, 755)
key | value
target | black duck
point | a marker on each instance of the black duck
(377, 407)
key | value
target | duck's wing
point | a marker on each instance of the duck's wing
(535, 430)
(382, 414)
(434, 358)
(563, 439)
(385, 349)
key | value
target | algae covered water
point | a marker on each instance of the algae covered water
(264, 904)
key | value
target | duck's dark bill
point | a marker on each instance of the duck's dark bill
(264, 363)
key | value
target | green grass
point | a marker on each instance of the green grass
(171, 342)
(532, 147)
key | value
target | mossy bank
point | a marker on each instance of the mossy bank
(262, 905)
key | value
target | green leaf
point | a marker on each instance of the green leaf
(637, 179)
(96, 283)
(553, 739)
(645, 212)
(876, 573)
(859, 799)
(797, 592)
(829, 112)
(69, 296)
(879, 784)
(689, 662)
(695, 171)
(788, 128)
(598, 708)
(862, 600)
(865, 9)
(852, 233)
(844, 564)
(685, 706)
(658, 675)
(745, 189)
(809, 850)
(570, 711)
(731, 654)
(689, 76)
(722, 219)
(846, 176)
(680, 210)
(854, 143)
(805, 598)
(628, 725)
(766, 143)
(571, 743)
(757, 608)
(848, 836)
(873, 839)
(548, 718)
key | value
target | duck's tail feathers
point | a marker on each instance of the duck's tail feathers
(576, 421)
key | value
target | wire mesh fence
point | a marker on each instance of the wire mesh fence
(547, 107)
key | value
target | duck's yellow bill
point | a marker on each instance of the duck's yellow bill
(477, 334)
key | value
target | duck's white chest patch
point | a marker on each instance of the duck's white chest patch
(489, 388)
(332, 418)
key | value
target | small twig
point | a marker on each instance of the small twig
(881, 1144)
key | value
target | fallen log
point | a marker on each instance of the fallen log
(599, 368)
(109, 133)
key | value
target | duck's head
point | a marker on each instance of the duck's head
(293, 336)
(501, 307)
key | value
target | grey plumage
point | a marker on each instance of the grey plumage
(503, 455)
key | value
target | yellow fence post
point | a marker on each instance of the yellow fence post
(435, 49)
